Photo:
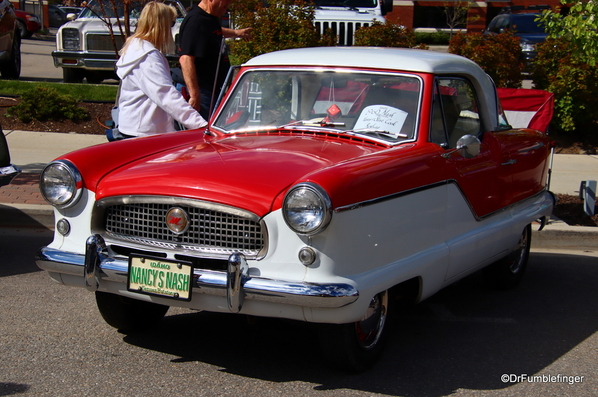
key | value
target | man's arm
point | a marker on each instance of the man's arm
(237, 33)
(190, 75)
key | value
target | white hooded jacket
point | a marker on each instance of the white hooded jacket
(149, 103)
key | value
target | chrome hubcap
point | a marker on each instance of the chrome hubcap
(517, 257)
(369, 330)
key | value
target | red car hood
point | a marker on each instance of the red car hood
(246, 172)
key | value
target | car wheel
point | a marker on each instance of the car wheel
(11, 69)
(355, 347)
(23, 29)
(73, 75)
(507, 272)
(129, 315)
(94, 78)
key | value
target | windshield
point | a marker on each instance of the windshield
(110, 9)
(526, 24)
(381, 105)
(346, 3)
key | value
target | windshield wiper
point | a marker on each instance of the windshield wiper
(378, 133)
(319, 122)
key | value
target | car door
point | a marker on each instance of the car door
(478, 187)
(526, 152)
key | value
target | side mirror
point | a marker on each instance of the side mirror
(468, 146)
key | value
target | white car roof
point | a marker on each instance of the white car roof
(398, 59)
(369, 57)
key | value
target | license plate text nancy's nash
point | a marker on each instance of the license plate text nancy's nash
(161, 278)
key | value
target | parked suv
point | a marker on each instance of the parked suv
(523, 26)
(84, 47)
(10, 42)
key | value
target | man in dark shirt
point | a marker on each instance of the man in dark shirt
(204, 62)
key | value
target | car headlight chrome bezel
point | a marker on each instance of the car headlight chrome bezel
(61, 184)
(307, 209)
(527, 47)
(70, 39)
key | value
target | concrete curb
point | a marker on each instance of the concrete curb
(558, 234)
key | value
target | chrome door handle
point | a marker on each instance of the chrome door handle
(537, 146)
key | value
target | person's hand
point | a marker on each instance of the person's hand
(244, 34)
(195, 103)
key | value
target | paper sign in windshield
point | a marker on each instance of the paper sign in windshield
(382, 118)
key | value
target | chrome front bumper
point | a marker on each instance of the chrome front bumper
(7, 174)
(86, 60)
(235, 284)
(92, 60)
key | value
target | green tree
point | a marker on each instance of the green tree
(579, 27)
(456, 14)
(281, 25)
(565, 66)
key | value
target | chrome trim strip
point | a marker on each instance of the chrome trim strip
(431, 186)
(389, 197)
(173, 200)
(211, 282)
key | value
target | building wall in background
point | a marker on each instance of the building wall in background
(431, 14)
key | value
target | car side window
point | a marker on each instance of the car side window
(455, 112)
(503, 24)
(498, 23)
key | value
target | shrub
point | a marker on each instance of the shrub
(438, 37)
(388, 34)
(45, 104)
(572, 81)
(497, 54)
(281, 25)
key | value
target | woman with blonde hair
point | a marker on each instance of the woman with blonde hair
(148, 102)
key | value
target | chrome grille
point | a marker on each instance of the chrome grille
(345, 31)
(103, 42)
(211, 231)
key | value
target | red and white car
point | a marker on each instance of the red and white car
(328, 182)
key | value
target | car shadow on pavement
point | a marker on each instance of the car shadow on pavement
(20, 233)
(8, 389)
(464, 337)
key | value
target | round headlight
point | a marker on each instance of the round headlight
(307, 209)
(60, 184)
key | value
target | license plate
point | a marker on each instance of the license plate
(160, 277)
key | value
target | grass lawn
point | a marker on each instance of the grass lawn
(83, 92)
